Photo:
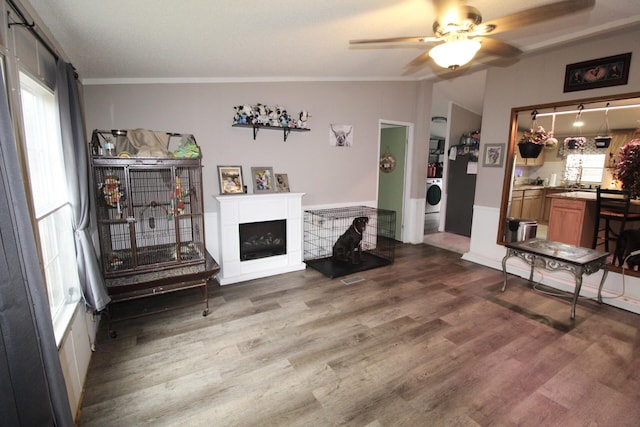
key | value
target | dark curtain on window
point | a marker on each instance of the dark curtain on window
(32, 387)
(78, 179)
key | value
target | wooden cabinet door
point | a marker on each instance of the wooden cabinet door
(565, 221)
(572, 222)
(532, 204)
(516, 204)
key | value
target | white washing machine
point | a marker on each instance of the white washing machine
(434, 195)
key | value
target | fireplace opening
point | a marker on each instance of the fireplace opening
(263, 239)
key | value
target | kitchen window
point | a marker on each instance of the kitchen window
(584, 168)
(52, 211)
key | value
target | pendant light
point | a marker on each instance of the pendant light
(455, 52)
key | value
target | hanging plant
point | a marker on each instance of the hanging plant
(628, 168)
(605, 140)
(532, 140)
(575, 143)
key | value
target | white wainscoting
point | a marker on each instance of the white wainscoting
(239, 209)
(618, 291)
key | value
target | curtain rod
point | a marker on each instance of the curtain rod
(31, 27)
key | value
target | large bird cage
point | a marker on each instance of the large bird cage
(149, 213)
(323, 227)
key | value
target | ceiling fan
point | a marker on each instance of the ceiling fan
(460, 34)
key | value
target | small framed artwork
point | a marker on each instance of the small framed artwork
(340, 135)
(493, 155)
(602, 72)
(230, 178)
(263, 179)
(282, 183)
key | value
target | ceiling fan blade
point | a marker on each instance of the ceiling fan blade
(419, 60)
(491, 46)
(414, 39)
(539, 14)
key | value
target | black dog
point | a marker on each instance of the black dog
(348, 247)
(628, 241)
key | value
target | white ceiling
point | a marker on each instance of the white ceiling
(280, 39)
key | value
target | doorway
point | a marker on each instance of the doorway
(392, 178)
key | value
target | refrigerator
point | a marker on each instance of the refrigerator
(461, 188)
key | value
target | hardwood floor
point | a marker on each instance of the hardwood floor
(427, 341)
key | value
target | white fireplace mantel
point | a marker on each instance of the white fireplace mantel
(244, 208)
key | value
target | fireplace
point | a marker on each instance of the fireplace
(263, 239)
(235, 210)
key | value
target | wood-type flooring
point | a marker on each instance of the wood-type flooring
(427, 341)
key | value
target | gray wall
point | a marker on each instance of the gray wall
(539, 80)
(328, 175)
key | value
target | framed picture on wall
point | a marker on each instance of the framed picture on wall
(263, 179)
(602, 72)
(230, 178)
(493, 155)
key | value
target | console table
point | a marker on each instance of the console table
(553, 256)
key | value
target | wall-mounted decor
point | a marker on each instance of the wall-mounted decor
(230, 178)
(282, 183)
(493, 155)
(341, 135)
(263, 180)
(602, 72)
(387, 162)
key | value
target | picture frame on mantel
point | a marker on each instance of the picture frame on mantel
(282, 183)
(230, 178)
(262, 179)
(596, 73)
(493, 155)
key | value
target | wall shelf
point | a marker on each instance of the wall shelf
(286, 131)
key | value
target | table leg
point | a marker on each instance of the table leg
(604, 276)
(533, 262)
(577, 292)
(504, 269)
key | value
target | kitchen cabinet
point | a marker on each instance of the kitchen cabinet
(546, 202)
(516, 203)
(526, 203)
(532, 204)
(572, 221)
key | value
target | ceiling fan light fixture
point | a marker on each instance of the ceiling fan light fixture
(455, 53)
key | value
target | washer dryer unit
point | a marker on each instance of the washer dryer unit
(434, 195)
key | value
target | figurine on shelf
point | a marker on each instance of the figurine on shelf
(303, 118)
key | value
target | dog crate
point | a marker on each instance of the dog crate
(323, 227)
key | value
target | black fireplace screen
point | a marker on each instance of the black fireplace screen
(263, 239)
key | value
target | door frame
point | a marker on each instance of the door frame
(406, 190)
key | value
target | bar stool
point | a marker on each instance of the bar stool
(612, 205)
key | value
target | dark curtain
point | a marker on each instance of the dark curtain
(78, 179)
(32, 387)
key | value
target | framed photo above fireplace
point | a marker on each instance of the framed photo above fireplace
(230, 178)
(263, 179)
(282, 183)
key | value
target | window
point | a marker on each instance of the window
(50, 200)
(584, 167)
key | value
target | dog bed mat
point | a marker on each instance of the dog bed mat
(333, 269)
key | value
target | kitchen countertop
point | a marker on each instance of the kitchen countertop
(576, 195)
(547, 187)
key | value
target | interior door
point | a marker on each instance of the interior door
(391, 189)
